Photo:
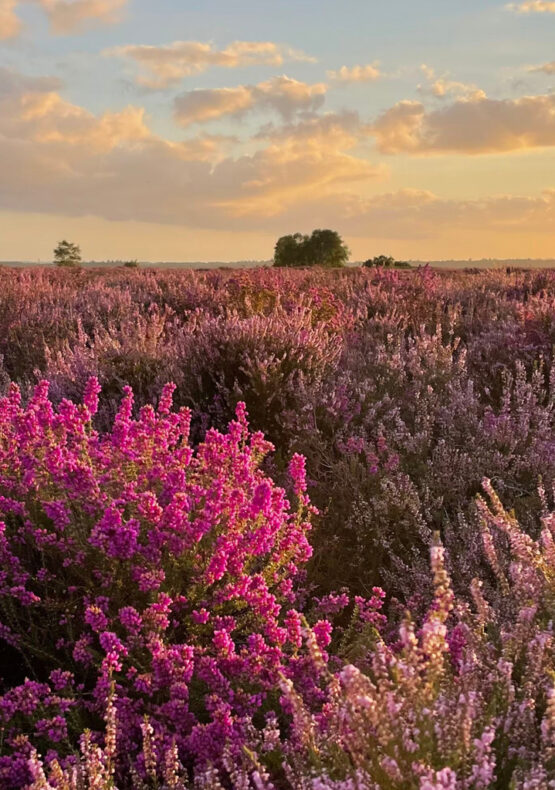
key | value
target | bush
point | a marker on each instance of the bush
(129, 560)
(464, 698)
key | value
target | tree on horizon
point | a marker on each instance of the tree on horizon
(386, 262)
(67, 254)
(322, 248)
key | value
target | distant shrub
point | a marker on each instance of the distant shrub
(387, 262)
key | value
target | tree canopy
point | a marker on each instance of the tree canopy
(67, 254)
(321, 248)
(387, 262)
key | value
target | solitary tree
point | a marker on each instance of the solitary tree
(67, 254)
(321, 248)
(134, 264)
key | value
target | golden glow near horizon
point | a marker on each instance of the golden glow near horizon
(424, 132)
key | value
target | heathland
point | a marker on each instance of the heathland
(277, 529)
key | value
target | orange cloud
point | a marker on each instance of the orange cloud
(533, 7)
(281, 94)
(58, 157)
(367, 73)
(547, 68)
(50, 119)
(412, 214)
(441, 87)
(9, 23)
(31, 109)
(162, 66)
(471, 126)
(66, 16)
(304, 163)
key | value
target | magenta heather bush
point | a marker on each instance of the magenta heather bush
(130, 558)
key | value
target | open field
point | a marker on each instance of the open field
(444, 265)
(323, 558)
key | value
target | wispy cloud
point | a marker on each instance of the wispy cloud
(367, 73)
(533, 7)
(547, 68)
(468, 126)
(281, 94)
(9, 22)
(67, 16)
(443, 87)
(160, 66)
(421, 214)
(12, 83)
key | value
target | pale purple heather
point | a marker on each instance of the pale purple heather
(201, 607)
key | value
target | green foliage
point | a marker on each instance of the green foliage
(134, 264)
(386, 262)
(67, 254)
(322, 248)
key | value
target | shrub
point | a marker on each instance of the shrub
(464, 698)
(130, 559)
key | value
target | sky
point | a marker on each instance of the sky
(202, 130)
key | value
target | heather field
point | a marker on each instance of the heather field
(277, 530)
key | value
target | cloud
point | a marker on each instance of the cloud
(12, 83)
(58, 157)
(9, 22)
(281, 94)
(32, 109)
(442, 87)
(303, 162)
(164, 65)
(67, 16)
(413, 214)
(470, 126)
(344, 129)
(533, 7)
(368, 73)
(547, 68)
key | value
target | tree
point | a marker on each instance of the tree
(134, 264)
(67, 254)
(290, 250)
(380, 260)
(321, 248)
(387, 262)
(326, 248)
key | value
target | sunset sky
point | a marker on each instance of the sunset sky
(181, 130)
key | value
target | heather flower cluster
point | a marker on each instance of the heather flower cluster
(131, 560)
(322, 559)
